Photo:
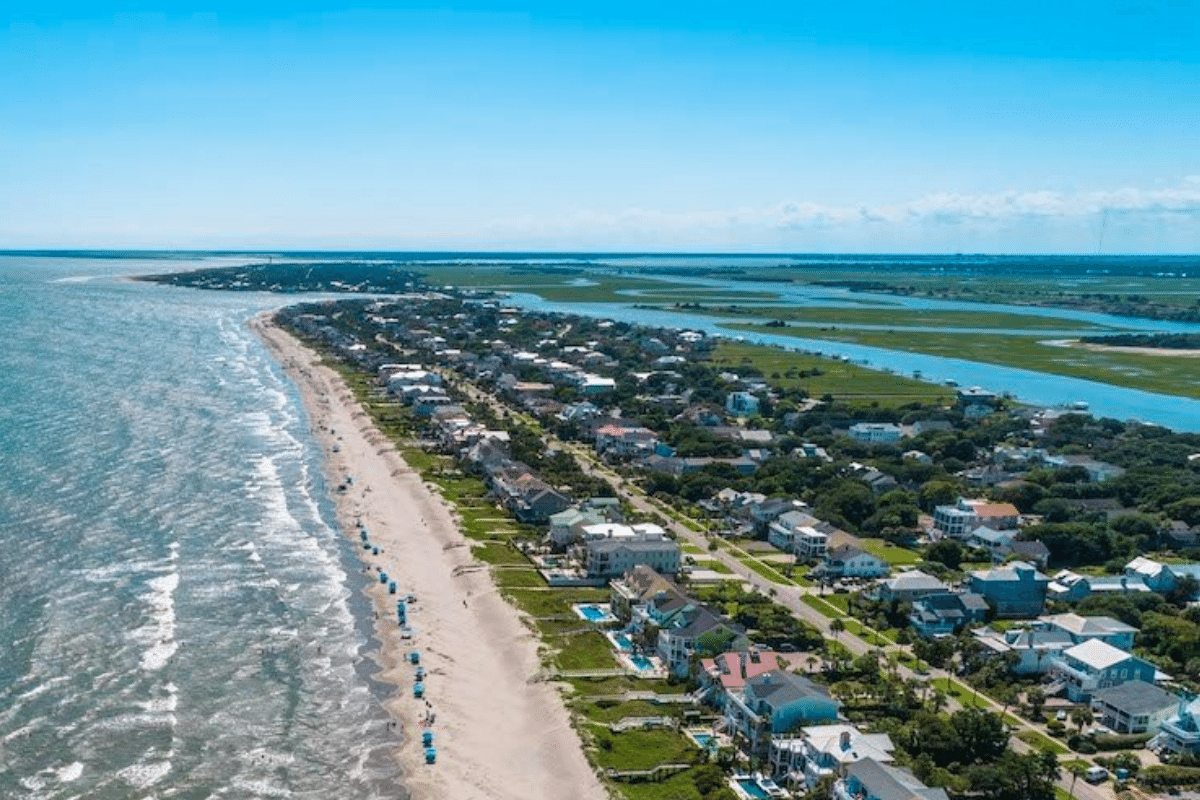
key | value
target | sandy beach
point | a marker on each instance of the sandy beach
(499, 732)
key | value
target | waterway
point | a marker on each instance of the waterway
(1026, 386)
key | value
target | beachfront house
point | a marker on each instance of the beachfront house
(818, 751)
(870, 779)
(636, 596)
(694, 633)
(777, 702)
(612, 557)
(728, 672)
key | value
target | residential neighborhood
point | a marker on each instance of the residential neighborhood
(819, 597)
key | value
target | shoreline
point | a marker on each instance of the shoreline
(499, 732)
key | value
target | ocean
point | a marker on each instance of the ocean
(181, 617)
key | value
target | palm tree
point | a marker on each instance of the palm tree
(1082, 716)
(836, 626)
(1076, 768)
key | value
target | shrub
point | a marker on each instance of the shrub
(1167, 775)
(1081, 744)
(1116, 741)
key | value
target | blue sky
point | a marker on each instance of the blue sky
(1056, 126)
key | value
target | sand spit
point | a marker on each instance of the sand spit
(1106, 348)
(500, 733)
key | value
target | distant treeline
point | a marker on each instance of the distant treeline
(1166, 341)
(318, 276)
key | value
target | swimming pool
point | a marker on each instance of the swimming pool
(750, 786)
(705, 740)
(642, 663)
(623, 642)
(594, 613)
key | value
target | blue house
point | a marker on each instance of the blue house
(777, 702)
(741, 404)
(946, 613)
(1016, 589)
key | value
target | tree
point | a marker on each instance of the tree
(937, 493)
(1076, 768)
(836, 626)
(945, 551)
(1082, 716)
(1036, 698)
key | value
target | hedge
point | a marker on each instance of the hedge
(1117, 741)
(1169, 775)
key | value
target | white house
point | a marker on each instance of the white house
(848, 561)
(876, 432)
(792, 533)
(802, 760)
(1094, 665)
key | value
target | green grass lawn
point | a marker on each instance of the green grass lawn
(768, 572)
(499, 553)
(550, 602)
(588, 650)
(676, 787)
(642, 749)
(963, 694)
(821, 605)
(619, 684)
(839, 601)
(614, 712)
(1041, 742)
(516, 578)
(896, 556)
(715, 566)
(844, 381)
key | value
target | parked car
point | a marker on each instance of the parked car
(1095, 774)
(1061, 716)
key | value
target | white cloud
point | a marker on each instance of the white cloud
(1034, 220)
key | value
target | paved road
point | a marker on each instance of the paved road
(786, 595)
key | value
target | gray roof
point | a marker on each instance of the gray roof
(892, 783)
(914, 580)
(634, 546)
(779, 688)
(1136, 697)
